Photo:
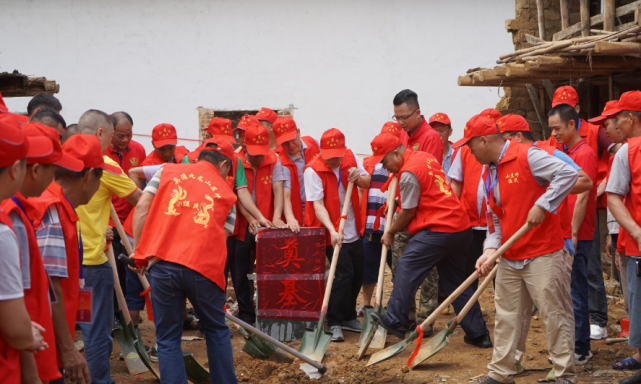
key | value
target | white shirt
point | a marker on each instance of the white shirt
(314, 191)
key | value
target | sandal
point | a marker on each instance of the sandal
(360, 311)
(187, 324)
(629, 363)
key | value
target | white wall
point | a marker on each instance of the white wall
(339, 62)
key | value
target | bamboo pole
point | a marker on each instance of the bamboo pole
(608, 15)
(541, 18)
(614, 48)
(565, 14)
(585, 17)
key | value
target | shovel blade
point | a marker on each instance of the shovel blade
(142, 352)
(392, 350)
(132, 358)
(435, 344)
(368, 326)
(315, 343)
(381, 335)
(195, 372)
(256, 347)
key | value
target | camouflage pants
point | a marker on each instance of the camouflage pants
(428, 300)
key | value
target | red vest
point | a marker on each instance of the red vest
(9, 357)
(309, 153)
(633, 199)
(438, 208)
(186, 220)
(330, 197)
(424, 139)
(519, 191)
(37, 298)
(471, 176)
(584, 158)
(53, 195)
(264, 190)
(154, 159)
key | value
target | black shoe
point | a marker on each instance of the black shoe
(635, 379)
(382, 320)
(483, 341)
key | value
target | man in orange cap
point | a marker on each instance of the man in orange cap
(297, 151)
(623, 183)
(418, 136)
(524, 184)
(267, 117)
(17, 330)
(264, 174)
(442, 125)
(164, 140)
(440, 231)
(40, 173)
(197, 199)
(327, 173)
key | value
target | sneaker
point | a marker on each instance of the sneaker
(598, 333)
(352, 325)
(153, 356)
(337, 333)
(383, 322)
(489, 380)
(581, 359)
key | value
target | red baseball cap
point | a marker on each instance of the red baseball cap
(222, 146)
(609, 106)
(629, 101)
(479, 125)
(513, 123)
(440, 118)
(14, 144)
(86, 149)
(267, 114)
(565, 95)
(164, 134)
(244, 122)
(256, 139)
(491, 113)
(221, 127)
(382, 145)
(332, 144)
(56, 156)
(284, 129)
(392, 128)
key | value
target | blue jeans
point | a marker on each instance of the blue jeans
(634, 302)
(170, 283)
(134, 289)
(373, 249)
(580, 297)
(597, 300)
(97, 335)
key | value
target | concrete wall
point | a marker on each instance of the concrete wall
(339, 63)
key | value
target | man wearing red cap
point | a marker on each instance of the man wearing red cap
(241, 127)
(94, 220)
(17, 331)
(442, 125)
(623, 183)
(418, 136)
(164, 140)
(40, 173)
(197, 199)
(327, 173)
(265, 184)
(440, 231)
(267, 117)
(524, 184)
(297, 151)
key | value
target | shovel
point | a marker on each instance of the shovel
(315, 343)
(440, 341)
(400, 347)
(372, 333)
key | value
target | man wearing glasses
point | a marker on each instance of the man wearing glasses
(419, 135)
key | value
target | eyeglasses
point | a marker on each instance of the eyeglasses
(403, 118)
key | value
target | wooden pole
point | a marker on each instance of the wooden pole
(539, 111)
(549, 88)
(541, 14)
(608, 14)
(585, 18)
(565, 14)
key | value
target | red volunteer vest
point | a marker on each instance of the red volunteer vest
(330, 197)
(584, 158)
(438, 208)
(9, 357)
(186, 220)
(264, 191)
(309, 153)
(53, 195)
(633, 199)
(471, 176)
(154, 159)
(37, 298)
(425, 139)
(519, 191)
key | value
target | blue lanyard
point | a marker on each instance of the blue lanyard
(15, 200)
(340, 178)
(81, 251)
(488, 187)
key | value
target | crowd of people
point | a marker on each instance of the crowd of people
(457, 204)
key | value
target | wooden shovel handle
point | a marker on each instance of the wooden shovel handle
(477, 294)
(125, 242)
(526, 227)
(337, 248)
(391, 206)
(122, 304)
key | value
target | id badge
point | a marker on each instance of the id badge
(85, 299)
(490, 221)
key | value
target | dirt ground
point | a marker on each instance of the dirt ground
(456, 363)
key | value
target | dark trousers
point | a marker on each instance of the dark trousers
(347, 282)
(426, 250)
(473, 253)
(597, 299)
(240, 266)
(579, 291)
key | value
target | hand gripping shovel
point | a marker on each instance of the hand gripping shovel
(400, 347)
(315, 343)
(373, 335)
(129, 328)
